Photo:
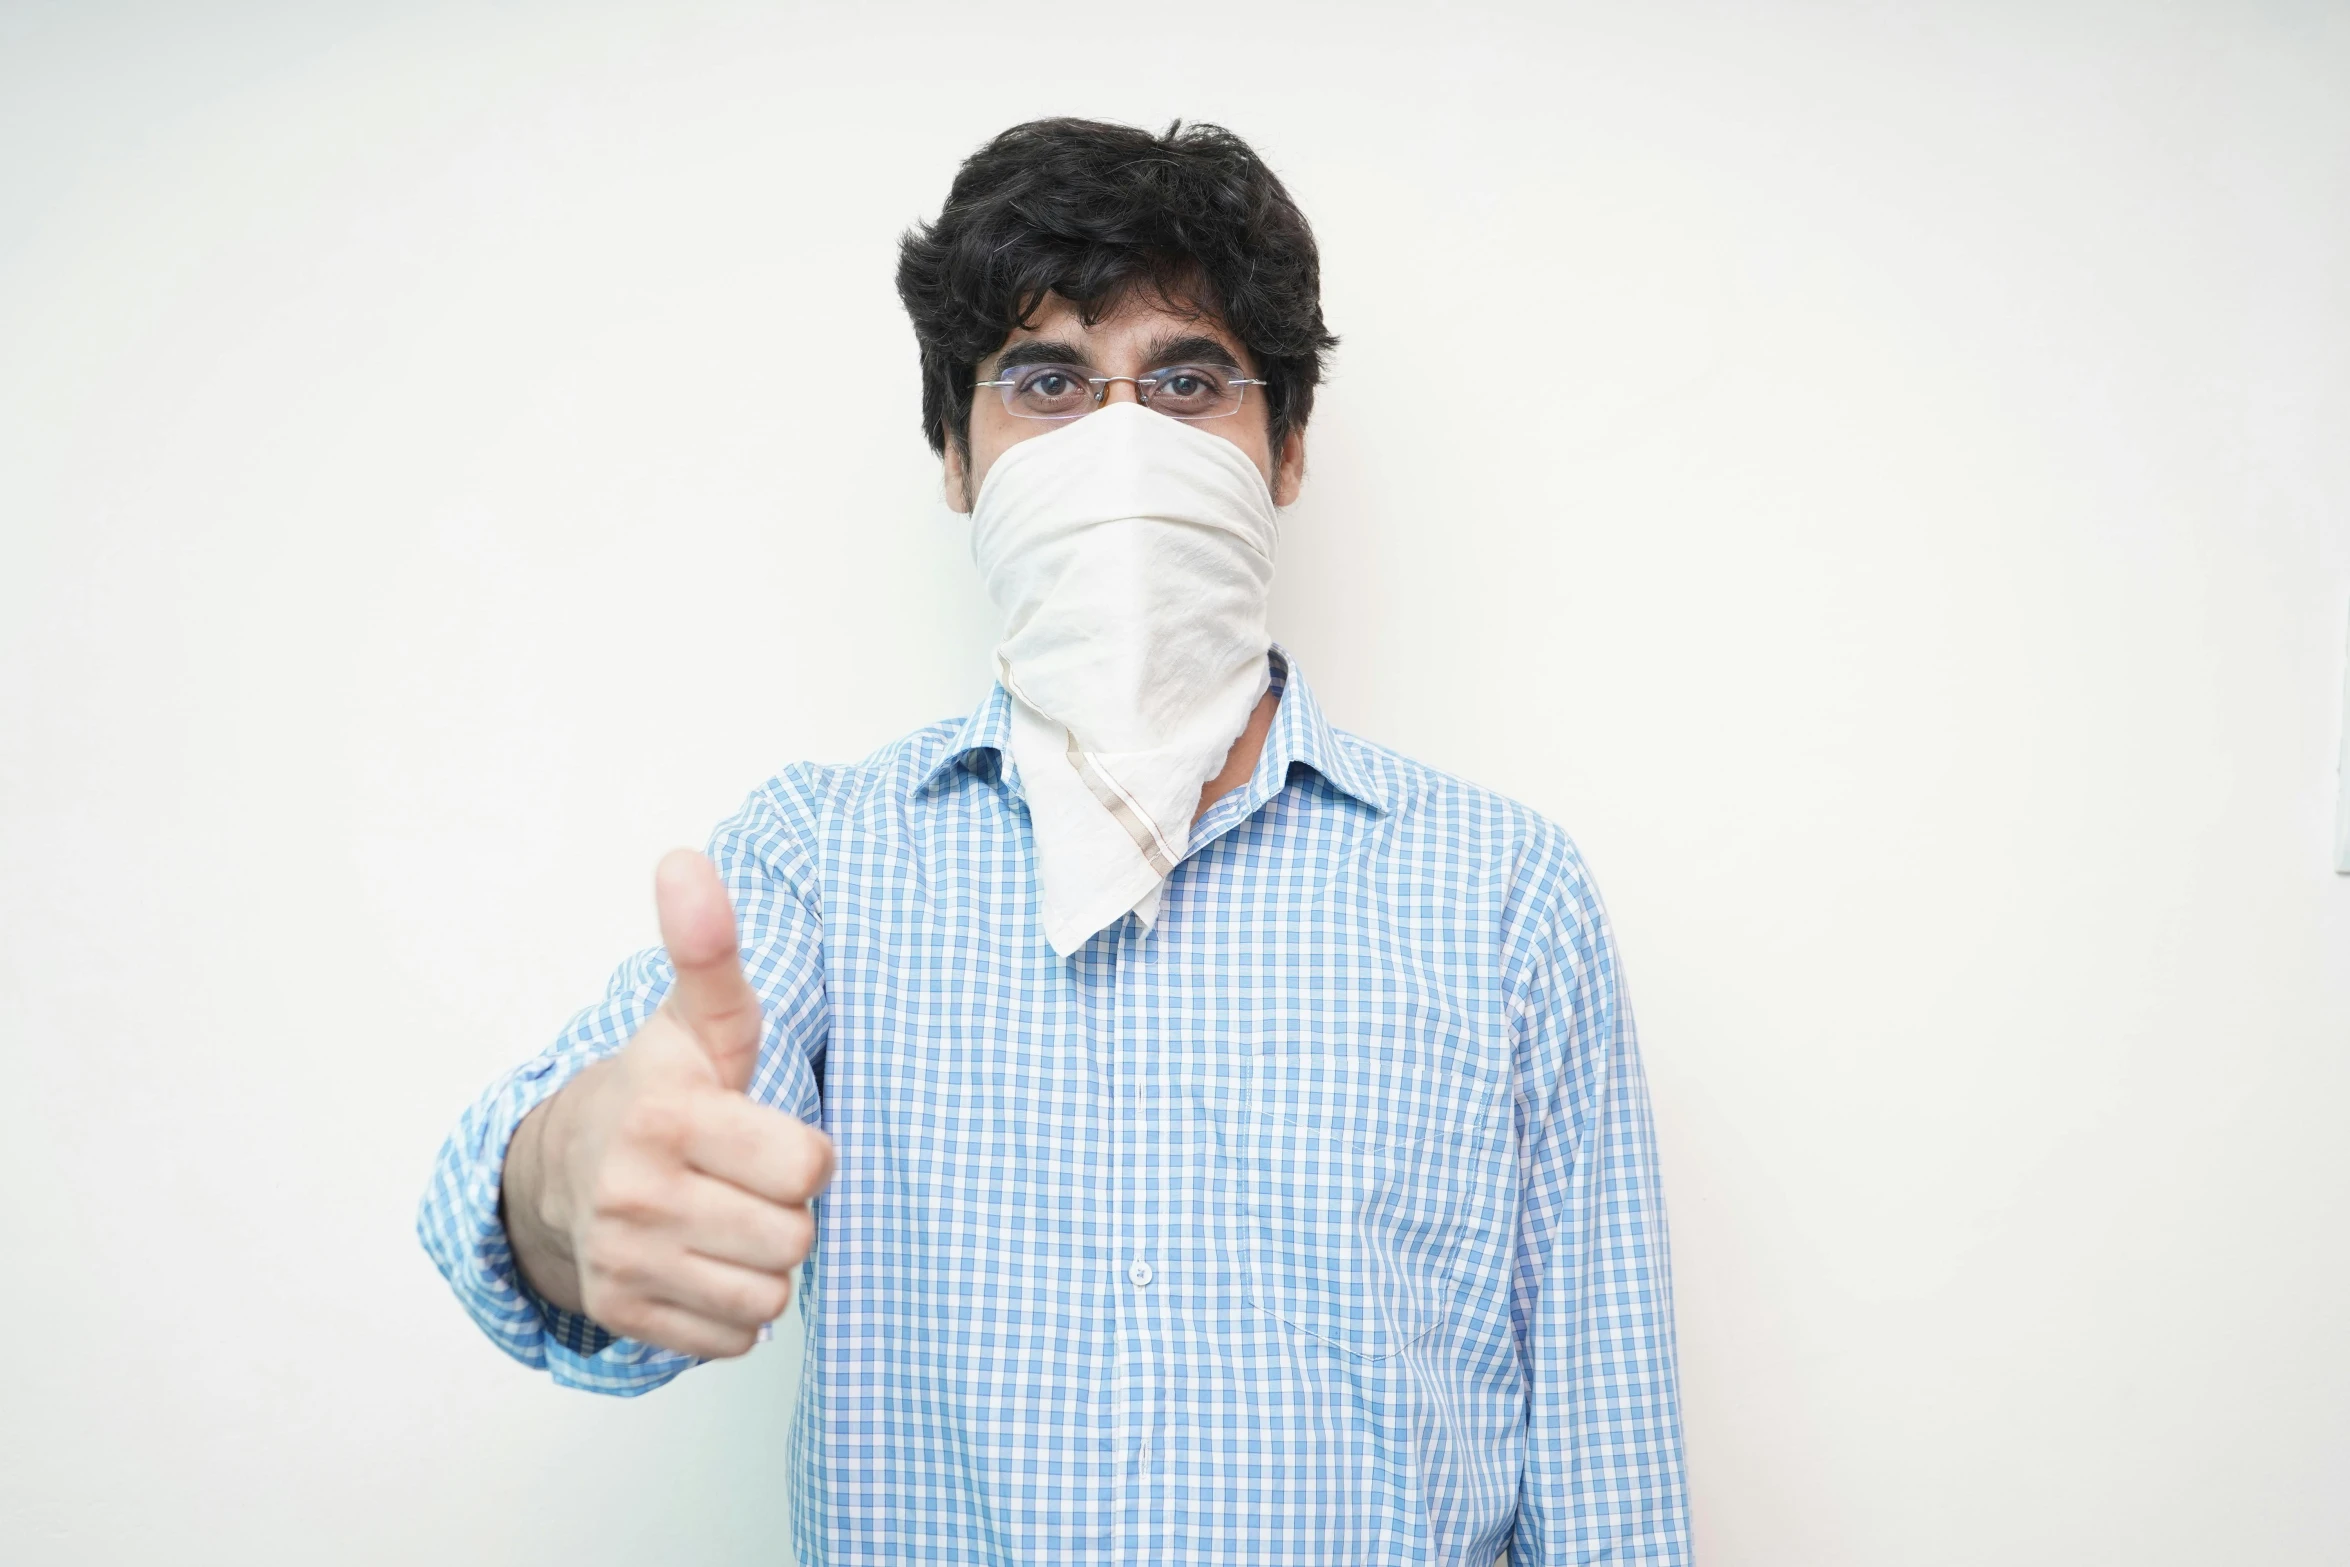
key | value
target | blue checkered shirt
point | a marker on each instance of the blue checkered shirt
(1319, 1223)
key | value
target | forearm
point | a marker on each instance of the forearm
(1594, 1306)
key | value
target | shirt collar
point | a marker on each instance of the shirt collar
(1300, 734)
(984, 740)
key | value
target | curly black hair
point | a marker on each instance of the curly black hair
(1092, 211)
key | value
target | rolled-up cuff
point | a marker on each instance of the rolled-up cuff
(464, 1232)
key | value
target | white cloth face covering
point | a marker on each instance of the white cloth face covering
(1131, 555)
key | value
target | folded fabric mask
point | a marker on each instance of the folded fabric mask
(1131, 555)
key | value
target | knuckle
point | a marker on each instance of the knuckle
(609, 1265)
(795, 1235)
(597, 1259)
(616, 1310)
(825, 1158)
(636, 1321)
(810, 1161)
(628, 1195)
(655, 1121)
(762, 1301)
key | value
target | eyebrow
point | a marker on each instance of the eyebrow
(1190, 348)
(1040, 351)
(1181, 348)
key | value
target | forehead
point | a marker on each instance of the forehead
(1133, 328)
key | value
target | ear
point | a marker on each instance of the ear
(957, 477)
(1289, 472)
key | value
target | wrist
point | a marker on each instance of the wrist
(528, 1192)
(541, 1139)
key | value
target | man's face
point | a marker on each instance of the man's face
(1143, 336)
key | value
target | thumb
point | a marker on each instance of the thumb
(711, 996)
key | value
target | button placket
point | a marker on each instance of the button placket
(1137, 1186)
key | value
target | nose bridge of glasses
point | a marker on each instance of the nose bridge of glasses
(1102, 383)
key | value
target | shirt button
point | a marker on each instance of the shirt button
(1140, 1273)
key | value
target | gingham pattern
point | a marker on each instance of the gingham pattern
(1318, 1225)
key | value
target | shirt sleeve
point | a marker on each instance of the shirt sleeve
(1591, 1298)
(769, 880)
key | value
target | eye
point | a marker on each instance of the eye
(1191, 389)
(1049, 391)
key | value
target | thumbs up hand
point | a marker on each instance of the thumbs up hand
(649, 1193)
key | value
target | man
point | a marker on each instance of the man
(1242, 1151)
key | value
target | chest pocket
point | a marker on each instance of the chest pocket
(1355, 1173)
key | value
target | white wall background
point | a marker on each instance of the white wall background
(1877, 474)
